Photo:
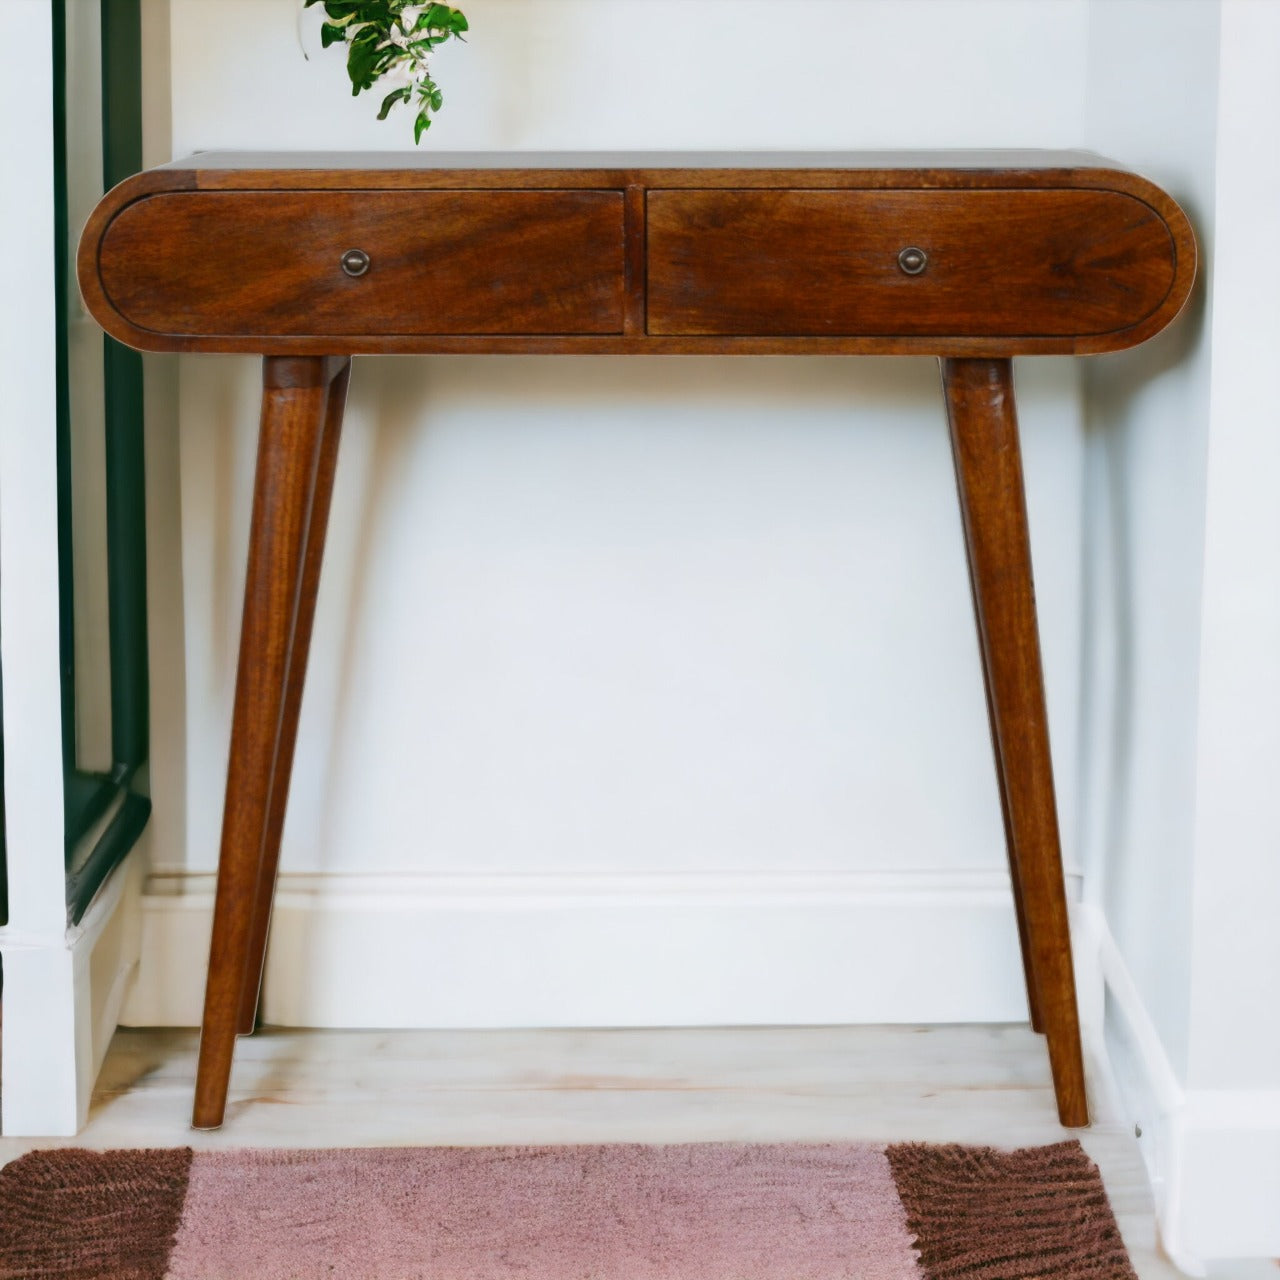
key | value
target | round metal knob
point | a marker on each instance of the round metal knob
(355, 262)
(912, 260)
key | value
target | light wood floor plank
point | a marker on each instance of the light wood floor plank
(812, 1084)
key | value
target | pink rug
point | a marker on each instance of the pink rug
(628, 1212)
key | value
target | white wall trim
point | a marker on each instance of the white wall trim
(29, 618)
(1213, 1156)
(61, 1006)
(48, 1049)
(608, 950)
(1229, 1173)
(988, 887)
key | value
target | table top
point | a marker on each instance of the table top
(373, 161)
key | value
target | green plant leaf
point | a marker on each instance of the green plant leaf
(367, 27)
(396, 95)
(366, 61)
(341, 10)
(443, 16)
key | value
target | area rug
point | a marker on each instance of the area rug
(623, 1212)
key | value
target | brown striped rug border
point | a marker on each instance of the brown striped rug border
(982, 1214)
(85, 1215)
(711, 1211)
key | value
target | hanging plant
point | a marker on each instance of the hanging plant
(390, 42)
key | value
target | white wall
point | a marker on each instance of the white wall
(1239, 747)
(654, 618)
(1233, 1071)
(711, 73)
(1148, 424)
(1183, 682)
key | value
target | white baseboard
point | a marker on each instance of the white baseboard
(1213, 1156)
(62, 1001)
(570, 950)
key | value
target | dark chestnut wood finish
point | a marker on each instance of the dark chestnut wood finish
(1015, 874)
(988, 461)
(290, 447)
(299, 650)
(451, 262)
(241, 253)
(635, 236)
(631, 255)
(1004, 264)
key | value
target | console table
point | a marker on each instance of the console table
(309, 259)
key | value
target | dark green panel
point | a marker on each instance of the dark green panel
(126, 491)
(108, 851)
(104, 816)
(121, 90)
(126, 555)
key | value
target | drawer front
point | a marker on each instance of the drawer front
(439, 262)
(1000, 263)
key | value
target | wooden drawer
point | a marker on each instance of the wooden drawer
(440, 262)
(1055, 263)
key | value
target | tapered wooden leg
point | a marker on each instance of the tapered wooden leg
(313, 556)
(984, 439)
(1020, 909)
(1015, 874)
(294, 398)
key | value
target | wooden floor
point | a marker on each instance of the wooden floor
(360, 1088)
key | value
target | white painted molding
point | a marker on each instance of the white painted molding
(62, 1003)
(1229, 1173)
(47, 1021)
(1213, 1156)
(29, 619)
(620, 950)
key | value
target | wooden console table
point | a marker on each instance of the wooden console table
(310, 259)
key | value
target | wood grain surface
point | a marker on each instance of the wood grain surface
(295, 680)
(290, 448)
(1001, 264)
(1060, 258)
(988, 462)
(440, 262)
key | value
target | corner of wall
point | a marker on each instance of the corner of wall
(1213, 1156)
